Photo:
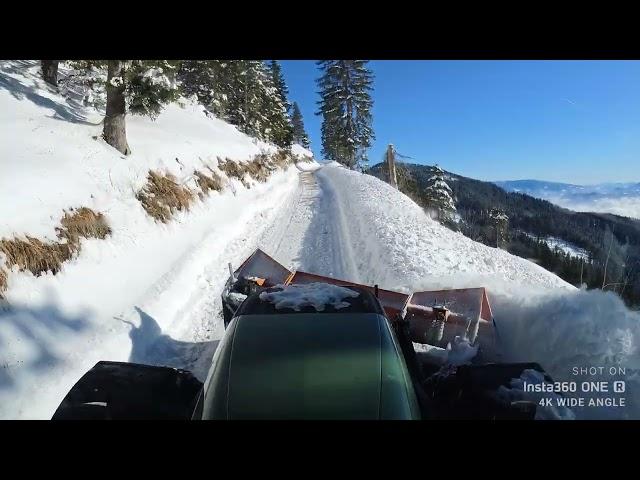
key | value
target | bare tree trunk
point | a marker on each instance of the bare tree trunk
(391, 164)
(114, 132)
(606, 263)
(626, 281)
(50, 71)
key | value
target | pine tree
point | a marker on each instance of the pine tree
(50, 71)
(151, 84)
(438, 196)
(114, 130)
(345, 105)
(142, 87)
(259, 100)
(299, 134)
(278, 81)
(254, 104)
(87, 79)
(277, 107)
(210, 82)
(500, 222)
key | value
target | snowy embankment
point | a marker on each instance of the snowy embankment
(539, 316)
(400, 247)
(131, 296)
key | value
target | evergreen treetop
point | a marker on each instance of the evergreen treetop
(438, 194)
(299, 134)
(345, 105)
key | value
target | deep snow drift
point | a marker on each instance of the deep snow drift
(399, 247)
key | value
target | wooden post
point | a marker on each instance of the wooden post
(391, 163)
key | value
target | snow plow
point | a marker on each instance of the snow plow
(298, 345)
(434, 317)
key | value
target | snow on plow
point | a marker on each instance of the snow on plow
(434, 317)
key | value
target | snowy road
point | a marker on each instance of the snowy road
(307, 231)
(316, 237)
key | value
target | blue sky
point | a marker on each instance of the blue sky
(566, 121)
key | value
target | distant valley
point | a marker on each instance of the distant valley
(617, 198)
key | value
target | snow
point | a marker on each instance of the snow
(316, 295)
(400, 247)
(565, 247)
(440, 185)
(156, 77)
(237, 298)
(47, 138)
(458, 352)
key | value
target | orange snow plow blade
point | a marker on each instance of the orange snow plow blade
(264, 269)
(468, 314)
(435, 317)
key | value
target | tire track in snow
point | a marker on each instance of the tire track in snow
(326, 248)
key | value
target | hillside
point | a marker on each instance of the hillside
(537, 226)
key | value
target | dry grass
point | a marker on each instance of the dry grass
(82, 223)
(207, 183)
(36, 256)
(259, 168)
(231, 169)
(234, 170)
(3, 282)
(281, 159)
(162, 196)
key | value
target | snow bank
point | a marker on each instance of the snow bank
(401, 247)
(316, 295)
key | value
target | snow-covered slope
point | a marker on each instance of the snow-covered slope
(52, 157)
(399, 246)
(122, 297)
